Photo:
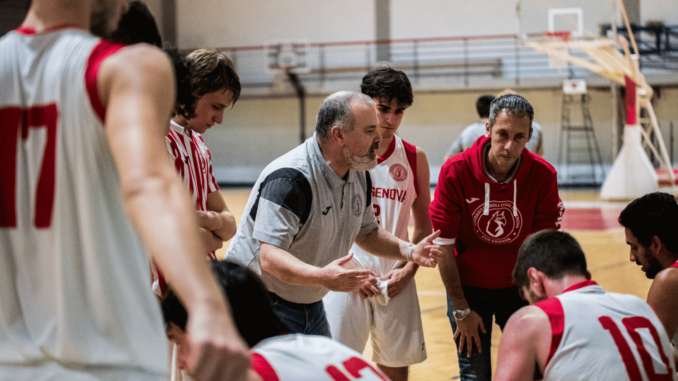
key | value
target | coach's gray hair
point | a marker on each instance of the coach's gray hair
(513, 105)
(336, 111)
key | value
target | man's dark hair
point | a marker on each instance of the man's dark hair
(211, 71)
(387, 84)
(552, 252)
(513, 105)
(249, 300)
(185, 104)
(483, 105)
(136, 26)
(655, 214)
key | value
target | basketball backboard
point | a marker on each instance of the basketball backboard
(287, 55)
(581, 18)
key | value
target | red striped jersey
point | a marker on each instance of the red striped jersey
(193, 162)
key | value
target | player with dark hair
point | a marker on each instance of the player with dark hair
(137, 25)
(400, 184)
(574, 329)
(650, 224)
(87, 192)
(294, 357)
(488, 200)
(471, 133)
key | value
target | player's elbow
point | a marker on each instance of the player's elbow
(140, 187)
(231, 228)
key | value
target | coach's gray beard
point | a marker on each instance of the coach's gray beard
(361, 163)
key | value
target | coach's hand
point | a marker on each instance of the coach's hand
(398, 279)
(337, 278)
(426, 253)
(368, 287)
(216, 351)
(467, 332)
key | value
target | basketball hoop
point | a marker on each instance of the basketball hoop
(559, 40)
(562, 35)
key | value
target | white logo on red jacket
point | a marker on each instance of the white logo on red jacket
(500, 226)
(398, 172)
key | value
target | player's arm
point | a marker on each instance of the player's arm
(400, 278)
(468, 328)
(136, 87)
(218, 220)
(548, 213)
(382, 243)
(524, 345)
(291, 270)
(663, 298)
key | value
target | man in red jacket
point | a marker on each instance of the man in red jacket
(488, 200)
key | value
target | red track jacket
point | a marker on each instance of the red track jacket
(491, 220)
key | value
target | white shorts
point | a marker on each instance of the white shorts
(397, 333)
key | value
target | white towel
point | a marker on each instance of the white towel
(383, 298)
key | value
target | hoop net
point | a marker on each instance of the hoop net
(558, 36)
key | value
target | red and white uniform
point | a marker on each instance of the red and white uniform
(74, 291)
(599, 335)
(193, 162)
(394, 189)
(487, 221)
(352, 319)
(310, 358)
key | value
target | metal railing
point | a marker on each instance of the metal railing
(461, 59)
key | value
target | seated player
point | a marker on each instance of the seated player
(293, 357)
(574, 329)
(651, 223)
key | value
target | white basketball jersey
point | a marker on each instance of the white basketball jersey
(394, 190)
(599, 335)
(73, 272)
(310, 358)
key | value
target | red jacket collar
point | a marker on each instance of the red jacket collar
(474, 155)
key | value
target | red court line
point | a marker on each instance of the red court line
(591, 219)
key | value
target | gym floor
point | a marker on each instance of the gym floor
(591, 221)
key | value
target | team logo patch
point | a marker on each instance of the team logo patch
(357, 205)
(500, 226)
(398, 172)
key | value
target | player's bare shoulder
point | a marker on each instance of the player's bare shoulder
(140, 65)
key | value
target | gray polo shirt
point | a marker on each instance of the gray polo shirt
(301, 206)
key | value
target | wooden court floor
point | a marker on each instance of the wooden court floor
(588, 219)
